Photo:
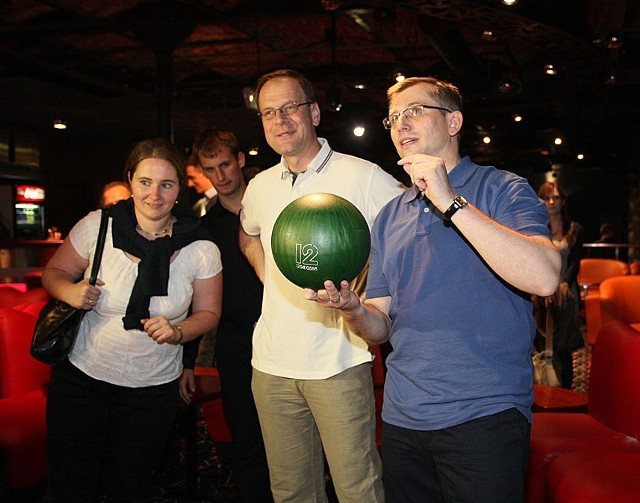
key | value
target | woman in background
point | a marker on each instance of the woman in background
(567, 236)
(112, 404)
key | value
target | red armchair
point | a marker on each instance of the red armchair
(23, 383)
(612, 423)
(208, 397)
(10, 297)
(612, 477)
(592, 272)
(620, 300)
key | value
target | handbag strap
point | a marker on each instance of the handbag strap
(97, 257)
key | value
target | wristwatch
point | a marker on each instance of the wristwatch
(458, 203)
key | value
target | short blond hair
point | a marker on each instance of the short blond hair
(446, 94)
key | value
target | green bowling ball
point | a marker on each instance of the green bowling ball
(320, 236)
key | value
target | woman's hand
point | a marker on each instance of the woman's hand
(83, 295)
(187, 385)
(161, 331)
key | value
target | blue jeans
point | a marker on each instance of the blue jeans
(102, 434)
(481, 461)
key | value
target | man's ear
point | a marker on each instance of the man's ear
(455, 122)
(315, 114)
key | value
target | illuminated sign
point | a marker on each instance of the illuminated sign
(29, 194)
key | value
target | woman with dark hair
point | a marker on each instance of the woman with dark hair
(563, 305)
(112, 403)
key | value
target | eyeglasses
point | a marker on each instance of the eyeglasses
(288, 109)
(409, 113)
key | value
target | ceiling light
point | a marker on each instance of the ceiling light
(580, 157)
(334, 99)
(509, 2)
(249, 96)
(359, 131)
(611, 80)
(557, 141)
(486, 140)
(507, 86)
(550, 69)
(489, 36)
(398, 76)
(59, 124)
(614, 42)
(517, 118)
(254, 150)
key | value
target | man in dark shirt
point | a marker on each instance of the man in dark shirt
(222, 162)
(198, 181)
(607, 236)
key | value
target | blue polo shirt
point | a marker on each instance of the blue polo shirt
(461, 336)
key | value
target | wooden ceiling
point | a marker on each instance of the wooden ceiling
(132, 69)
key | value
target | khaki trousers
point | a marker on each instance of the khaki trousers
(302, 419)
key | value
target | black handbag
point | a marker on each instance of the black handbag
(58, 322)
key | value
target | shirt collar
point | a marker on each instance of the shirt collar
(317, 164)
(461, 173)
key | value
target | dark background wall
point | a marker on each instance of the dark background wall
(75, 167)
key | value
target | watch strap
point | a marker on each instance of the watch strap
(458, 203)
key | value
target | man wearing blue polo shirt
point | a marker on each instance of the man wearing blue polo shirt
(453, 263)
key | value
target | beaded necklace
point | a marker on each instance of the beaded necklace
(158, 234)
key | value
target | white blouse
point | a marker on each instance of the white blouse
(106, 351)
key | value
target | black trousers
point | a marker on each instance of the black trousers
(249, 463)
(481, 461)
(103, 438)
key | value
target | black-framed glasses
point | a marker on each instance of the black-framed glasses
(409, 113)
(288, 109)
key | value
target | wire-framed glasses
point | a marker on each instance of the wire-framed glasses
(288, 109)
(409, 113)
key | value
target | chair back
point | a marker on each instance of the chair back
(10, 297)
(594, 271)
(620, 299)
(20, 374)
(614, 378)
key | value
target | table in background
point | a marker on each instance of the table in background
(617, 246)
